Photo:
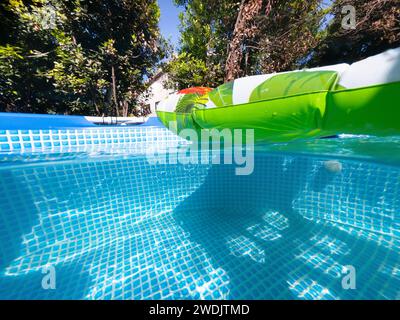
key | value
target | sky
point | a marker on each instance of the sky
(169, 21)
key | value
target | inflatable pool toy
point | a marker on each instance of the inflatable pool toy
(362, 98)
(175, 111)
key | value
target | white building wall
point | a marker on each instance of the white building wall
(157, 93)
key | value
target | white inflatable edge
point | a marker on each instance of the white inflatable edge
(378, 69)
(243, 87)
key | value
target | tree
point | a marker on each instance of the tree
(185, 69)
(93, 59)
(79, 77)
(206, 28)
(377, 29)
(120, 45)
(234, 39)
(26, 53)
(287, 34)
(245, 28)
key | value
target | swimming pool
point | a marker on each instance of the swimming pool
(86, 205)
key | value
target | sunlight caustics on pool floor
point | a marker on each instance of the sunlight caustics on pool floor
(121, 228)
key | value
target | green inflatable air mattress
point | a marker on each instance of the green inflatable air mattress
(362, 98)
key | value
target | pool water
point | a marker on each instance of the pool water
(110, 225)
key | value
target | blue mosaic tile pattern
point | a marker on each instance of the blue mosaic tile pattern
(117, 227)
(38, 140)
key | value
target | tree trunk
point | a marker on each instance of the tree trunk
(243, 29)
(114, 90)
(125, 109)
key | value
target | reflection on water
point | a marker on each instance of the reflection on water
(116, 227)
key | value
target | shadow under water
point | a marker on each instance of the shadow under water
(251, 228)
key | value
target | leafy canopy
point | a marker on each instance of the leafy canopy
(78, 56)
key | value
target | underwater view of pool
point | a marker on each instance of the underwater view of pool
(111, 225)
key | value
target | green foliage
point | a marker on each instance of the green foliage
(205, 28)
(185, 69)
(25, 56)
(377, 29)
(78, 56)
(286, 35)
(79, 78)
(283, 33)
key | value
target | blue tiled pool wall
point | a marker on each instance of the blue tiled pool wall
(124, 229)
(38, 140)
